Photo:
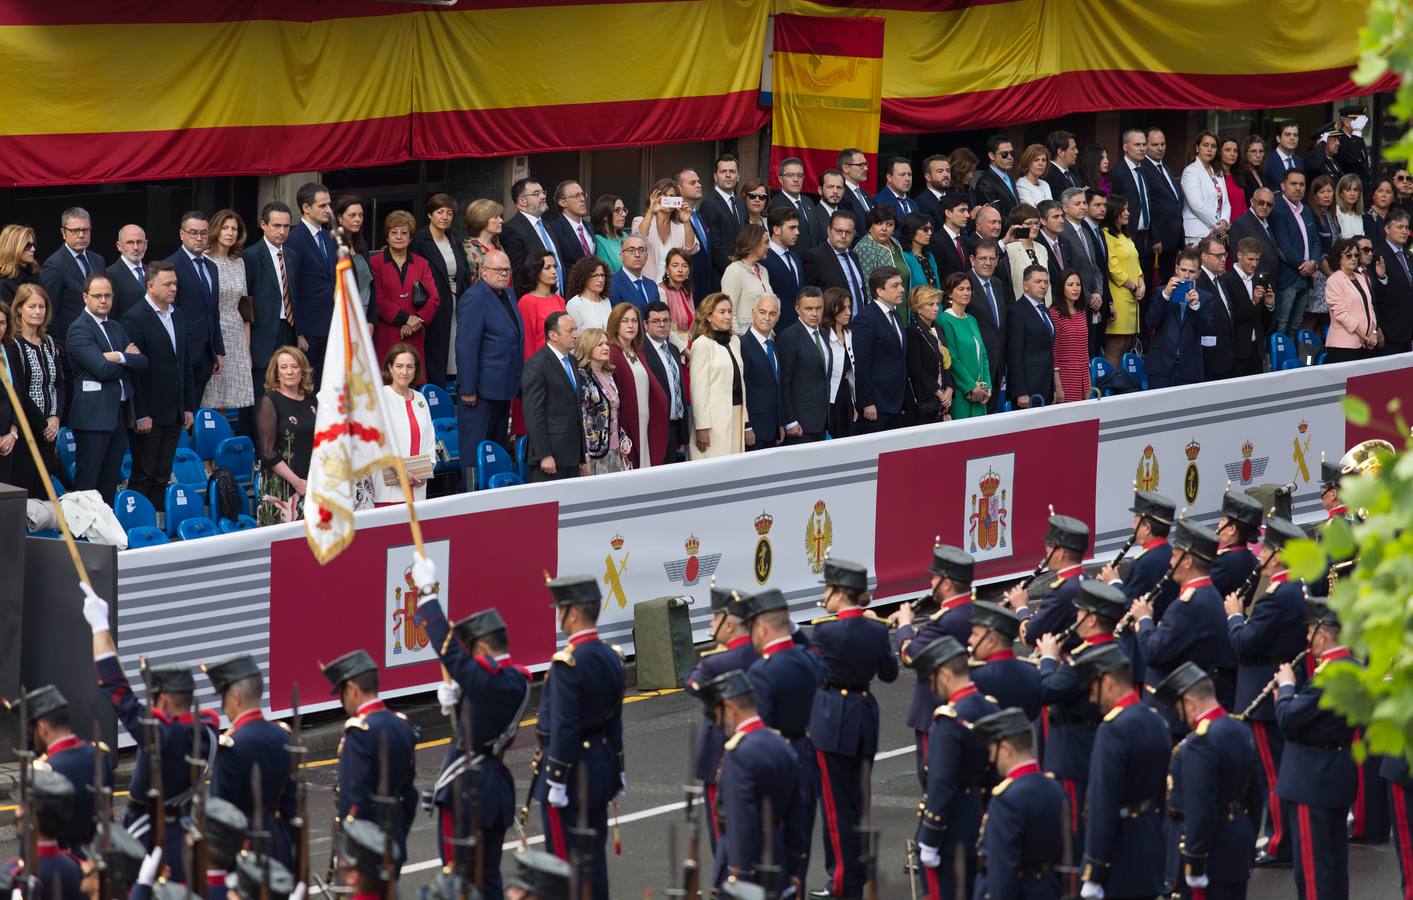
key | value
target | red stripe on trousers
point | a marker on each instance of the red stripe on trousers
(1360, 806)
(557, 834)
(934, 887)
(711, 811)
(1199, 894)
(1273, 803)
(1074, 803)
(1405, 841)
(1045, 724)
(831, 821)
(1307, 853)
(448, 832)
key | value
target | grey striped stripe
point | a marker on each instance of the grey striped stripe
(1215, 413)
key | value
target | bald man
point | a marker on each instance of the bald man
(490, 355)
(127, 273)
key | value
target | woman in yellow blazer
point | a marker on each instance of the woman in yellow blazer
(718, 382)
(1125, 281)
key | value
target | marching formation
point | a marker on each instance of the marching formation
(1162, 736)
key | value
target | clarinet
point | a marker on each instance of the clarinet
(1157, 589)
(1123, 551)
(1247, 591)
(1270, 687)
(1062, 637)
(1040, 568)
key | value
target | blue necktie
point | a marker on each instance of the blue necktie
(319, 242)
(701, 233)
(83, 265)
(200, 265)
(549, 245)
(642, 291)
(995, 313)
(569, 370)
(770, 355)
(848, 266)
(141, 273)
(1045, 317)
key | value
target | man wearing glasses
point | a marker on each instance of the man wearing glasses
(854, 164)
(1255, 223)
(792, 183)
(572, 234)
(100, 410)
(994, 185)
(628, 284)
(198, 292)
(490, 356)
(127, 272)
(67, 269)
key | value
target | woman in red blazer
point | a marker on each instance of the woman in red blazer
(1354, 328)
(404, 290)
(642, 410)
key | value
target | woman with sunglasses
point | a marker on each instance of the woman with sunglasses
(17, 263)
(754, 192)
(1354, 326)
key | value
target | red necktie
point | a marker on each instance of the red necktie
(961, 252)
(583, 241)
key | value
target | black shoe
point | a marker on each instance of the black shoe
(1265, 860)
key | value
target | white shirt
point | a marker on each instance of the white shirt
(313, 229)
(841, 350)
(165, 317)
(1217, 285)
(588, 314)
(728, 198)
(122, 392)
(888, 311)
(1285, 158)
(275, 253)
(672, 365)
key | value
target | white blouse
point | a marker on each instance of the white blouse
(588, 314)
(401, 439)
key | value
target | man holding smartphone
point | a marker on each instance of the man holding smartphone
(1180, 320)
(1253, 307)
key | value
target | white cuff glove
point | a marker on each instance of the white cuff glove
(1092, 890)
(1197, 881)
(95, 609)
(558, 796)
(151, 863)
(622, 787)
(448, 696)
(299, 891)
(929, 856)
(424, 572)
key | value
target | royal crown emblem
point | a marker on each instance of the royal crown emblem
(989, 484)
(1246, 450)
(1249, 467)
(986, 526)
(1192, 449)
(1303, 427)
(693, 544)
(616, 542)
(764, 557)
(1191, 479)
(763, 522)
(695, 566)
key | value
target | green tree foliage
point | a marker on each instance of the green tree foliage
(1386, 46)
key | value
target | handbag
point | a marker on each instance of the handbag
(245, 306)
(419, 295)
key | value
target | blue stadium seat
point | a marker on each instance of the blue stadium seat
(238, 455)
(505, 479)
(134, 510)
(183, 502)
(197, 527)
(438, 402)
(239, 523)
(1308, 336)
(1132, 363)
(125, 470)
(1291, 364)
(450, 439)
(1282, 350)
(184, 440)
(187, 468)
(211, 428)
(58, 486)
(146, 536)
(491, 460)
(522, 461)
(68, 449)
(1099, 368)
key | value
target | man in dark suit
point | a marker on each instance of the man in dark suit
(991, 303)
(628, 284)
(994, 184)
(1165, 194)
(898, 181)
(806, 366)
(1053, 225)
(1127, 180)
(573, 235)
(1285, 153)
(1030, 344)
(1217, 348)
(1060, 174)
(723, 211)
(880, 354)
(526, 230)
(949, 246)
(1178, 323)
(126, 273)
(853, 163)
(937, 178)
(663, 357)
(164, 394)
(100, 411)
(831, 196)
(1255, 223)
(66, 270)
(706, 278)
(1077, 249)
(198, 298)
(271, 280)
(833, 263)
(549, 389)
(783, 262)
(760, 363)
(1393, 294)
(490, 357)
(1293, 226)
(441, 212)
(792, 181)
(1253, 307)
(314, 291)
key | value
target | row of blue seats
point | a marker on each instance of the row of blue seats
(1283, 353)
(187, 516)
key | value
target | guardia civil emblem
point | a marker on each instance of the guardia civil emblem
(613, 573)
(1301, 450)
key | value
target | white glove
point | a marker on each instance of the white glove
(299, 891)
(95, 609)
(558, 796)
(622, 787)
(448, 696)
(1197, 881)
(929, 856)
(424, 572)
(151, 865)
(1092, 890)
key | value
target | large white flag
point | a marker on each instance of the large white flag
(351, 429)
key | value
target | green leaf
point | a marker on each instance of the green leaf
(1338, 538)
(1356, 410)
(1305, 559)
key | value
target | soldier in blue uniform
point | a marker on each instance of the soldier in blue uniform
(258, 878)
(226, 831)
(538, 876)
(1212, 788)
(733, 651)
(169, 713)
(52, 736)
(785, 678)
(371, 732)
(1318, 778)
(957, 770)
(1066, 541)
(1123, 835)
(1011, 681)
(1330, 475)
(581, 710)
(51, 801)
(1394, 770)
(252, 741)
(1153, 516)
(1022, 833)
(855, 649)
(952, 570)
(1271, 632)
(476, 654)
(1239, 527)
(758, 768)
(1069, 717)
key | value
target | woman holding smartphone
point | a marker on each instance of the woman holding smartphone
(1022, 249)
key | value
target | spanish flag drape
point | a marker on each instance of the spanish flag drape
(828, 90)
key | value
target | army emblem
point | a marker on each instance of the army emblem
(986, 526)
(764, 555)
(1146, 478)
(1301, 449)
(613, 573)
(1248, 468)
(695, 567)
(819, 535)
(1191, 481)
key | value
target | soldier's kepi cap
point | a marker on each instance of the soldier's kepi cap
(936, 654)
(1101, 659)
(174, 679)
(1067, 532)
(478, 625)
(1097, 597)
(998, 618)
(350, 665)
(575, 590)
(1240, 506)
(1152, 505)
(53, 794)
(226, 828)
(845, 574)
(541, 874)
(1280, 532)
(227, 672)
(1000, 725)
(1330, 474)
(42, 701)
(249, 878)
(451, 886)
(125, 858)
(1354, 109)
(361, 845)
(1198, 540)
(952, 562)
(720, 598)
(724, 687)
(173, 890)
(768, 600)
(1179, 682)
(1318, 612)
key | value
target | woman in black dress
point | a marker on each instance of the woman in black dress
(837, 313)
(38, 374)
(929, 381)
(284, 424)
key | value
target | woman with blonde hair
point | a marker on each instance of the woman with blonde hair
(17, 262)
(284, 425)
(718, 388)
(484, 221)
(1031, 186)
(1349, 207)
(607, 444)
(928, 361)
(665, 227)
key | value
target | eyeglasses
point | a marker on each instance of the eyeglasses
(498, 270)
(101, 296)
(77, 230)
(635, 249)
(195, 233)
(861, 164)
(1400, 178)
(926, 228)
(1368, 250)
(1260, 203)
(578, 196)
(1005, 154)
(757, 196)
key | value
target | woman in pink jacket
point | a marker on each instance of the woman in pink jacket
(1354, 329)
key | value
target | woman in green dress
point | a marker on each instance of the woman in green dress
(970, 366)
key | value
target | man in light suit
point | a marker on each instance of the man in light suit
(991, 302)
(490, 359)
(1078, 249)
(880, 354)
(806, 364)
(100, 411)
(1030, 343)
(549, 388)
(628, 284)
(792, 181)
(1165, 195)
(663, 357)
(526, 230)
(126, 273)
(706, 279)
(898, 181)
(572, 234)
(271, 279)
(314, 291)
(1293, 226)
(723, 211)
(1178, 324)
(783, 262)
(198, 298)
(833, 264)
(66, 270)
(761, 364)
(164, 394)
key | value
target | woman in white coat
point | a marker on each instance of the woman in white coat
(1206, 209)
(410, 419)
(718, 383)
